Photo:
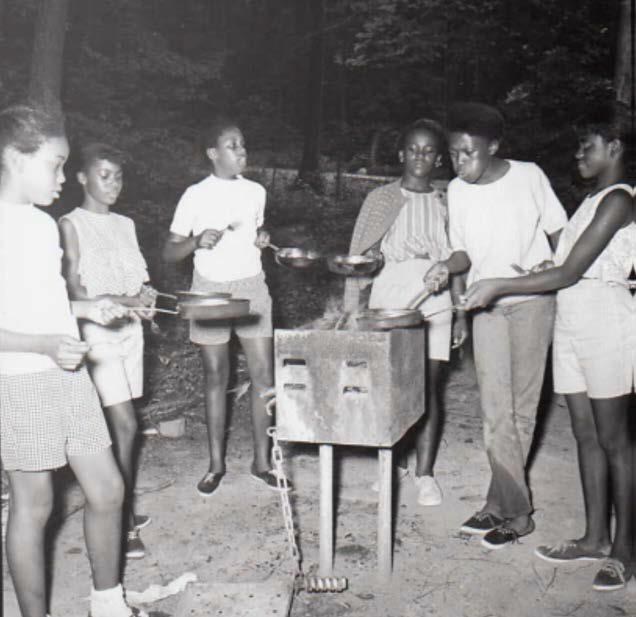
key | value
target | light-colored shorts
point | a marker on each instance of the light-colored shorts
(258, 324)
(48, 416)
(594, 347)
(116, 361)
(397, 284)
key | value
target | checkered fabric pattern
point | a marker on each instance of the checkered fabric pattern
(48, 416)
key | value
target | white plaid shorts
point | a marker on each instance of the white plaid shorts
(48, 416)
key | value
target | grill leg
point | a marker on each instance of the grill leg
(326, 510)
(385, 466)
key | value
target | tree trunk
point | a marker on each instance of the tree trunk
(309, 166)
(45, 87)
(2, 7)
(624, 69)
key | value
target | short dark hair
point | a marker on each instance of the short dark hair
(215, 129)
(425, 124)
(97, 151)
(25, 127)
(476, 119)
(607, 120)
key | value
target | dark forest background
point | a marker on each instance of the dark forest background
(316, 84)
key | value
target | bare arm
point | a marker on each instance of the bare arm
(612, 214)
(458, 262)
(177, 247)
(70, 261)
(437, 277)
(67, 352)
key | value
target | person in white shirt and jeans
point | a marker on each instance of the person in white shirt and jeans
(504, 219)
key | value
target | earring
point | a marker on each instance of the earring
(438, 163)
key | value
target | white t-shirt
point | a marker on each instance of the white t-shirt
(215, 203)
(33, 296)
(505, 222)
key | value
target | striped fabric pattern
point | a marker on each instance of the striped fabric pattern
(420, 229)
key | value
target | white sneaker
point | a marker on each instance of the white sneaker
(401, 475)
(112, 603)
(428, 491)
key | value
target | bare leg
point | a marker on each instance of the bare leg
(260, 363)
(30, 506)
(633, 497)
(594, 473)
(216, 368)
(103, 488)
(428, 437)
(122, 423)
(613, 432)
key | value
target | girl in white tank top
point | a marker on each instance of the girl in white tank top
(594, 348)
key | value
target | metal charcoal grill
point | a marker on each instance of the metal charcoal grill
(350, 388)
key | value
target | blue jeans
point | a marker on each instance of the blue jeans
(511, 344)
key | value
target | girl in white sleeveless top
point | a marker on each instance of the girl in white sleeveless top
(594, 352)
(102, 259)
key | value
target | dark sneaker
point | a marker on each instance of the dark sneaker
(135, 548)
(566, 551)
(612, 576)
(504, 535)
(141, 520)
(270, 479)
(481, 523)
(209, 483)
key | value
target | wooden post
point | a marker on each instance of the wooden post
(385, 505)
(326, 510)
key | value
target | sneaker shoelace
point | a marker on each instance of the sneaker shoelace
(561, 547)
(508, 532)
(485, 516)
(615, 568)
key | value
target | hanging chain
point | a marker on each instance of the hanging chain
(283, 486)
(300, 581)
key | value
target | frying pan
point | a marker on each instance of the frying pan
(386, 319)
(354, 265)
(183, 295)
(205, 308)
(295, 257)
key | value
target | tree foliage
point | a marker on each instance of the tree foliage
(146, 74)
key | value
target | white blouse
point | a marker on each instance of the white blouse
(110, 259)
(618, 258)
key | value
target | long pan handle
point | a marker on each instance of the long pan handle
(419, 298)
(155, 310)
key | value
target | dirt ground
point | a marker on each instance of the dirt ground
(237, 536)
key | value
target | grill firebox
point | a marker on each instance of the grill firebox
(348, 387)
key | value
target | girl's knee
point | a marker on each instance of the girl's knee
(216, 374)
(128, 425)
(585, 433)
(107, 494)
(35, 508)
